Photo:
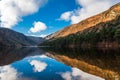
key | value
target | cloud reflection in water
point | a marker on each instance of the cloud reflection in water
(77, 74)
(8, 73)
(38, 65)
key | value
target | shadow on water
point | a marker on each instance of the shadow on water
(101, 62)
(10, 55)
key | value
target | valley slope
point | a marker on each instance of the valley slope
(101, 29)
(12, 38)
(103, 17)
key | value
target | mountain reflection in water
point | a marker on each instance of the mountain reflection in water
(101, 62)
(34, 64)
(9, 55)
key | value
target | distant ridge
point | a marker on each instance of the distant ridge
(12, 38)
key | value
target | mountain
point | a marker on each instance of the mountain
(12, 38)
(103, 17)
(37, 40)
(102, 30)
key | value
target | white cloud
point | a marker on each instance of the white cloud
(8, 73)
(66, 16)
(38, 65)
(12, 11)
(38, 27)
(77, 74)
(89, 8)
(43, 35)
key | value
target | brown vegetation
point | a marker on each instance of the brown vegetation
(106, 16)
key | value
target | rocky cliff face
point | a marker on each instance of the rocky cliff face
(103, 17)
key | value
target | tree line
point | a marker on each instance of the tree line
(110, 32)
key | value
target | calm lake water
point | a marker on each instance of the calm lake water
(62, 64)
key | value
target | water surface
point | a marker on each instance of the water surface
(37, 64)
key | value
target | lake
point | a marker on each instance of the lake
(59, 64)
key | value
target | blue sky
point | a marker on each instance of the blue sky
(49, 15)
(43, 17)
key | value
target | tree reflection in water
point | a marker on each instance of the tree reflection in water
(101, 62)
